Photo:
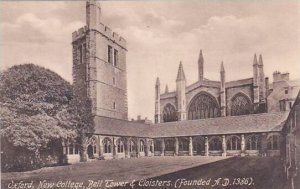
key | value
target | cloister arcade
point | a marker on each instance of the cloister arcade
(109, 147)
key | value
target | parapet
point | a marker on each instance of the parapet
(79, 33)
(104, 30)
(278, 76)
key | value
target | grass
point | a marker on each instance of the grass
(117, 170)
(265, 172)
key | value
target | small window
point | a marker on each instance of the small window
(291, 104)
(116, 57)
(114, 81)
(80, 54)
(282, 105)
(286, 91)
(114, 105)
(109, 54)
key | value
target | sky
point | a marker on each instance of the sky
(159, 35)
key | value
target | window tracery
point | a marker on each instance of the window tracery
(241, 105)
(203, 106)
(120, 146)
(233, 143)
(253, 142)
(107, 145)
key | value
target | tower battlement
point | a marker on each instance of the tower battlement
(278, 76)
(103, 30)
(81, 32)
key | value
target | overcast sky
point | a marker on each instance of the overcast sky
(159, 34)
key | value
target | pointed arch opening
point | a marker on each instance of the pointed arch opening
(108, 145)
(120, 145)
(241, 105)
(253, 142)
(233, 143)
(203, 106)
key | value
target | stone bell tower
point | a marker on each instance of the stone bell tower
(99, 65)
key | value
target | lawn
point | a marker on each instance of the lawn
(233, 173)
(156, 173)
(122, 170)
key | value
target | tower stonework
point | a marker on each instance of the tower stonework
(99, 65)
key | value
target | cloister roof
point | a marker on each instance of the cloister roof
(253, 123)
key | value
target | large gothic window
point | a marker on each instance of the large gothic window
(241, 105)
(169, 113)
(203, 106)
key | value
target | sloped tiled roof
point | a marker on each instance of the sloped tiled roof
(247, 81)
(253, 123)
(118, 127)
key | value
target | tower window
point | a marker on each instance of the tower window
(114, 81)
(286, 91)
(116, 57)
(80, 54)
(109, 54)
(114, 105)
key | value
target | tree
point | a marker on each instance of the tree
(83, 120)
(32, 102)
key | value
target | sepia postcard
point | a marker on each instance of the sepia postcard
(158, 94)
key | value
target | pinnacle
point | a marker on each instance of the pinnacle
(200, 59)
(166, 89)
(180, 74)
(260, 62)
(157, 81)
(222, 67)
(255, 60)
